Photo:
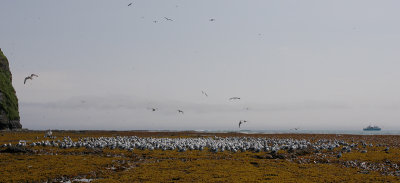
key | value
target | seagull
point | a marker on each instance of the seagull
(30, 77)
(211, 20)
(386, 150)
(129, 4)
(153, 109)
(242, 121)
(204, 93)
(168, 19)
(180, 111)
(234, 98)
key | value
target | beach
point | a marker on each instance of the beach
(366, 162)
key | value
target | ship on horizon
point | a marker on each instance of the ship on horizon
(372, 128)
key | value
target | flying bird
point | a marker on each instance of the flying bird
(153, 109)
(129, 4)
(168, 19)
(155, 21)
(234, 98)
(242, 121)
(30, 77)
(180, 111)
(212, 20)
(204, 93)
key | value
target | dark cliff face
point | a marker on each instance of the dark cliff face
(9, 114)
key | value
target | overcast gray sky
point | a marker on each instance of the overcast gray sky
(310, 64)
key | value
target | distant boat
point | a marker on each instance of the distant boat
(372, 128)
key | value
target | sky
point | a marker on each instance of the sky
(309, 64)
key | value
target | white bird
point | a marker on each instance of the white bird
(204, 93)
(234, 98)
(30, 77)
(242, 121)
(48, 134)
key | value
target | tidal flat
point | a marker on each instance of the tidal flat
(141, 156)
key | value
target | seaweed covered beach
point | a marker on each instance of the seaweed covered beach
(140, 156)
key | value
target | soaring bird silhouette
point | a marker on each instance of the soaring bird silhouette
(30, 77)
(211, 20)
(242, 121)
(180, 111)
(234, 98)
(129, 4)
(152, 109)
(168, 19)
(204, 93)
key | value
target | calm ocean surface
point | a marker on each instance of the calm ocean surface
(352, 132)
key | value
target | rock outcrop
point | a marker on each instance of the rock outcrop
(9, 114)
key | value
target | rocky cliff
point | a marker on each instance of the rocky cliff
(9, 115)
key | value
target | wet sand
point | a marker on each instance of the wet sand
(53, 164)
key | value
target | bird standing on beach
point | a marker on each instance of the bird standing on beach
(30, 77)
(180, 111)
(386, 150)
(339, 155)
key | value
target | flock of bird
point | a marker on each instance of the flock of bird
(216, 144)
(205, 94)
(155, 109)
(170, 19)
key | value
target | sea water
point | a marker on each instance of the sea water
(349, 132)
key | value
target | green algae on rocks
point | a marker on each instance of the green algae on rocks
(9, 114)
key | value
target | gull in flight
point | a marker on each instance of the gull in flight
(30, 77)
(234, 98)
(129, 4)
(211, 20)
(153, 109)
(180, 111)
(168, 19)
(242, 121)
(204, 93)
